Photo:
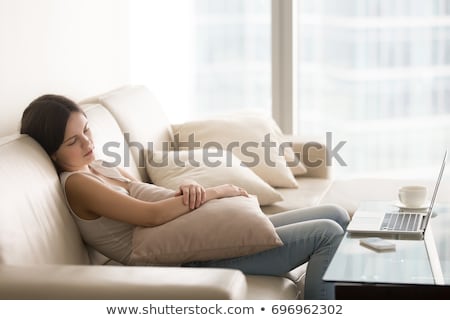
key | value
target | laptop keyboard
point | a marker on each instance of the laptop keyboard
(405, 221)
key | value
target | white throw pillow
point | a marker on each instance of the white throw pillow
(293, 162)
(256, 140)
(208, 168)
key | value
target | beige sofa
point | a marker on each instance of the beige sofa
(42, 255)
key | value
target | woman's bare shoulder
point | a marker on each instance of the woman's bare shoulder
(80, 189)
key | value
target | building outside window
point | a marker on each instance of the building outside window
(374, 73)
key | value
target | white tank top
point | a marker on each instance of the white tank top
(110, 237)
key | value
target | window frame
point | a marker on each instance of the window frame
(284, 64)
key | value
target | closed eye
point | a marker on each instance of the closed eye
(72, 142)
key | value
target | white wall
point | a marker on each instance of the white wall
(77, 48)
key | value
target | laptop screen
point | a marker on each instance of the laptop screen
(436, 187)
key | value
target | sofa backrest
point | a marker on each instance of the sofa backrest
(110, 145)
(35, 226)
(141, 119)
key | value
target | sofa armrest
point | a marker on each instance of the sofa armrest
(313, 154)
(119, 283)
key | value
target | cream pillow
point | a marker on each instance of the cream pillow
(248, 137)
(293, 162)
(209, 168)
(219, 229)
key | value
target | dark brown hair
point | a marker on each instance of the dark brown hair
(45, 120)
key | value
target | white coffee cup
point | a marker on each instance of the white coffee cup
(412, 196)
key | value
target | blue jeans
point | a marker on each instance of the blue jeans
(309, 235)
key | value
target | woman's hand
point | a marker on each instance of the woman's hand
(194, 194)
(230, 190)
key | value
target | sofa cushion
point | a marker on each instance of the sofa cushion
(220, 228)
(171, 169)
(246, 136)
(271, 288)
(310, 192)
(35, 226)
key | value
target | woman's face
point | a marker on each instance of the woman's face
(76, 151)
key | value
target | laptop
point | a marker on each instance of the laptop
(399, 223)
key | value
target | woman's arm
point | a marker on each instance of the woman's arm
(194, 194)
(126, 174)
(89, 197)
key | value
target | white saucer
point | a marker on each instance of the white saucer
(403, 207)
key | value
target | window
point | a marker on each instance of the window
(376, 74)
(203, 57)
